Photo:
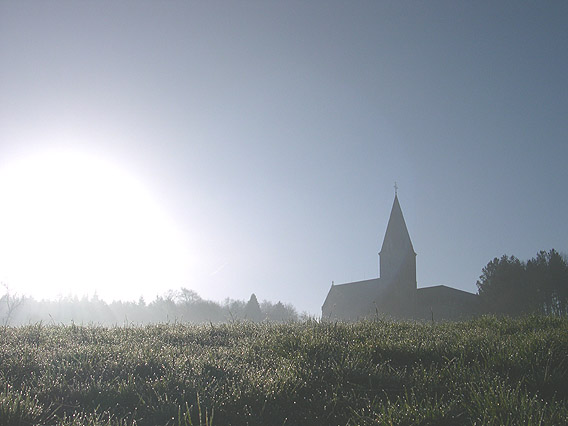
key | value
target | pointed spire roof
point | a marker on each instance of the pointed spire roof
(396, 236)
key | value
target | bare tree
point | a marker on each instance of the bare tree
(11, 302)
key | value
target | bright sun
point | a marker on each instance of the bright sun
(73, 223)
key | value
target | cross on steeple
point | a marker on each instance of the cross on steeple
(395, 189)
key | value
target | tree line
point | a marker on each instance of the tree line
(182, 305)
(506, 286)
(513, 287)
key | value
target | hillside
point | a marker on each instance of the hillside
(486, 371)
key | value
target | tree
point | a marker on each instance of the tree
(503, 287)
(186, 295)
(278, 312)
(512, 287)
(10, 303)
(548, 272)
(252, 309)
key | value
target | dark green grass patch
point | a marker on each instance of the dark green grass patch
(486, 371)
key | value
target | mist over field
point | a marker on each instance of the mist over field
(180, 306)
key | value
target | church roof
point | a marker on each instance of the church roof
(353, 299)
(446, 289)
(397, 235)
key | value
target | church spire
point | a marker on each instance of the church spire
(397, 256)
(397, 234)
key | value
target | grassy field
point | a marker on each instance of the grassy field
(485, 372)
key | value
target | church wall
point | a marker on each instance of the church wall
(396, 303)
(351, 301)
(401, 269)
(445, 303)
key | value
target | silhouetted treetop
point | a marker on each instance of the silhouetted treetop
(512, 287)
(252, 309)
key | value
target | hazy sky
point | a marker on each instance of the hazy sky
(264, 138)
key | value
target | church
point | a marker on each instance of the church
(395, 294)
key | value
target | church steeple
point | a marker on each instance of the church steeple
(397, 256)
(397, 234)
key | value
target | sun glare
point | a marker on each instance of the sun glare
(72, 223)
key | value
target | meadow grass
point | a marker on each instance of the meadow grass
(486, 371)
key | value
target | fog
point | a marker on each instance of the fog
(183, 306)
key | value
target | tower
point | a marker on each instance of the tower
(397, 256)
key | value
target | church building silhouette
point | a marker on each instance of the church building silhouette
(395, 294)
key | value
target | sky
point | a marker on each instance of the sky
(252, 147)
